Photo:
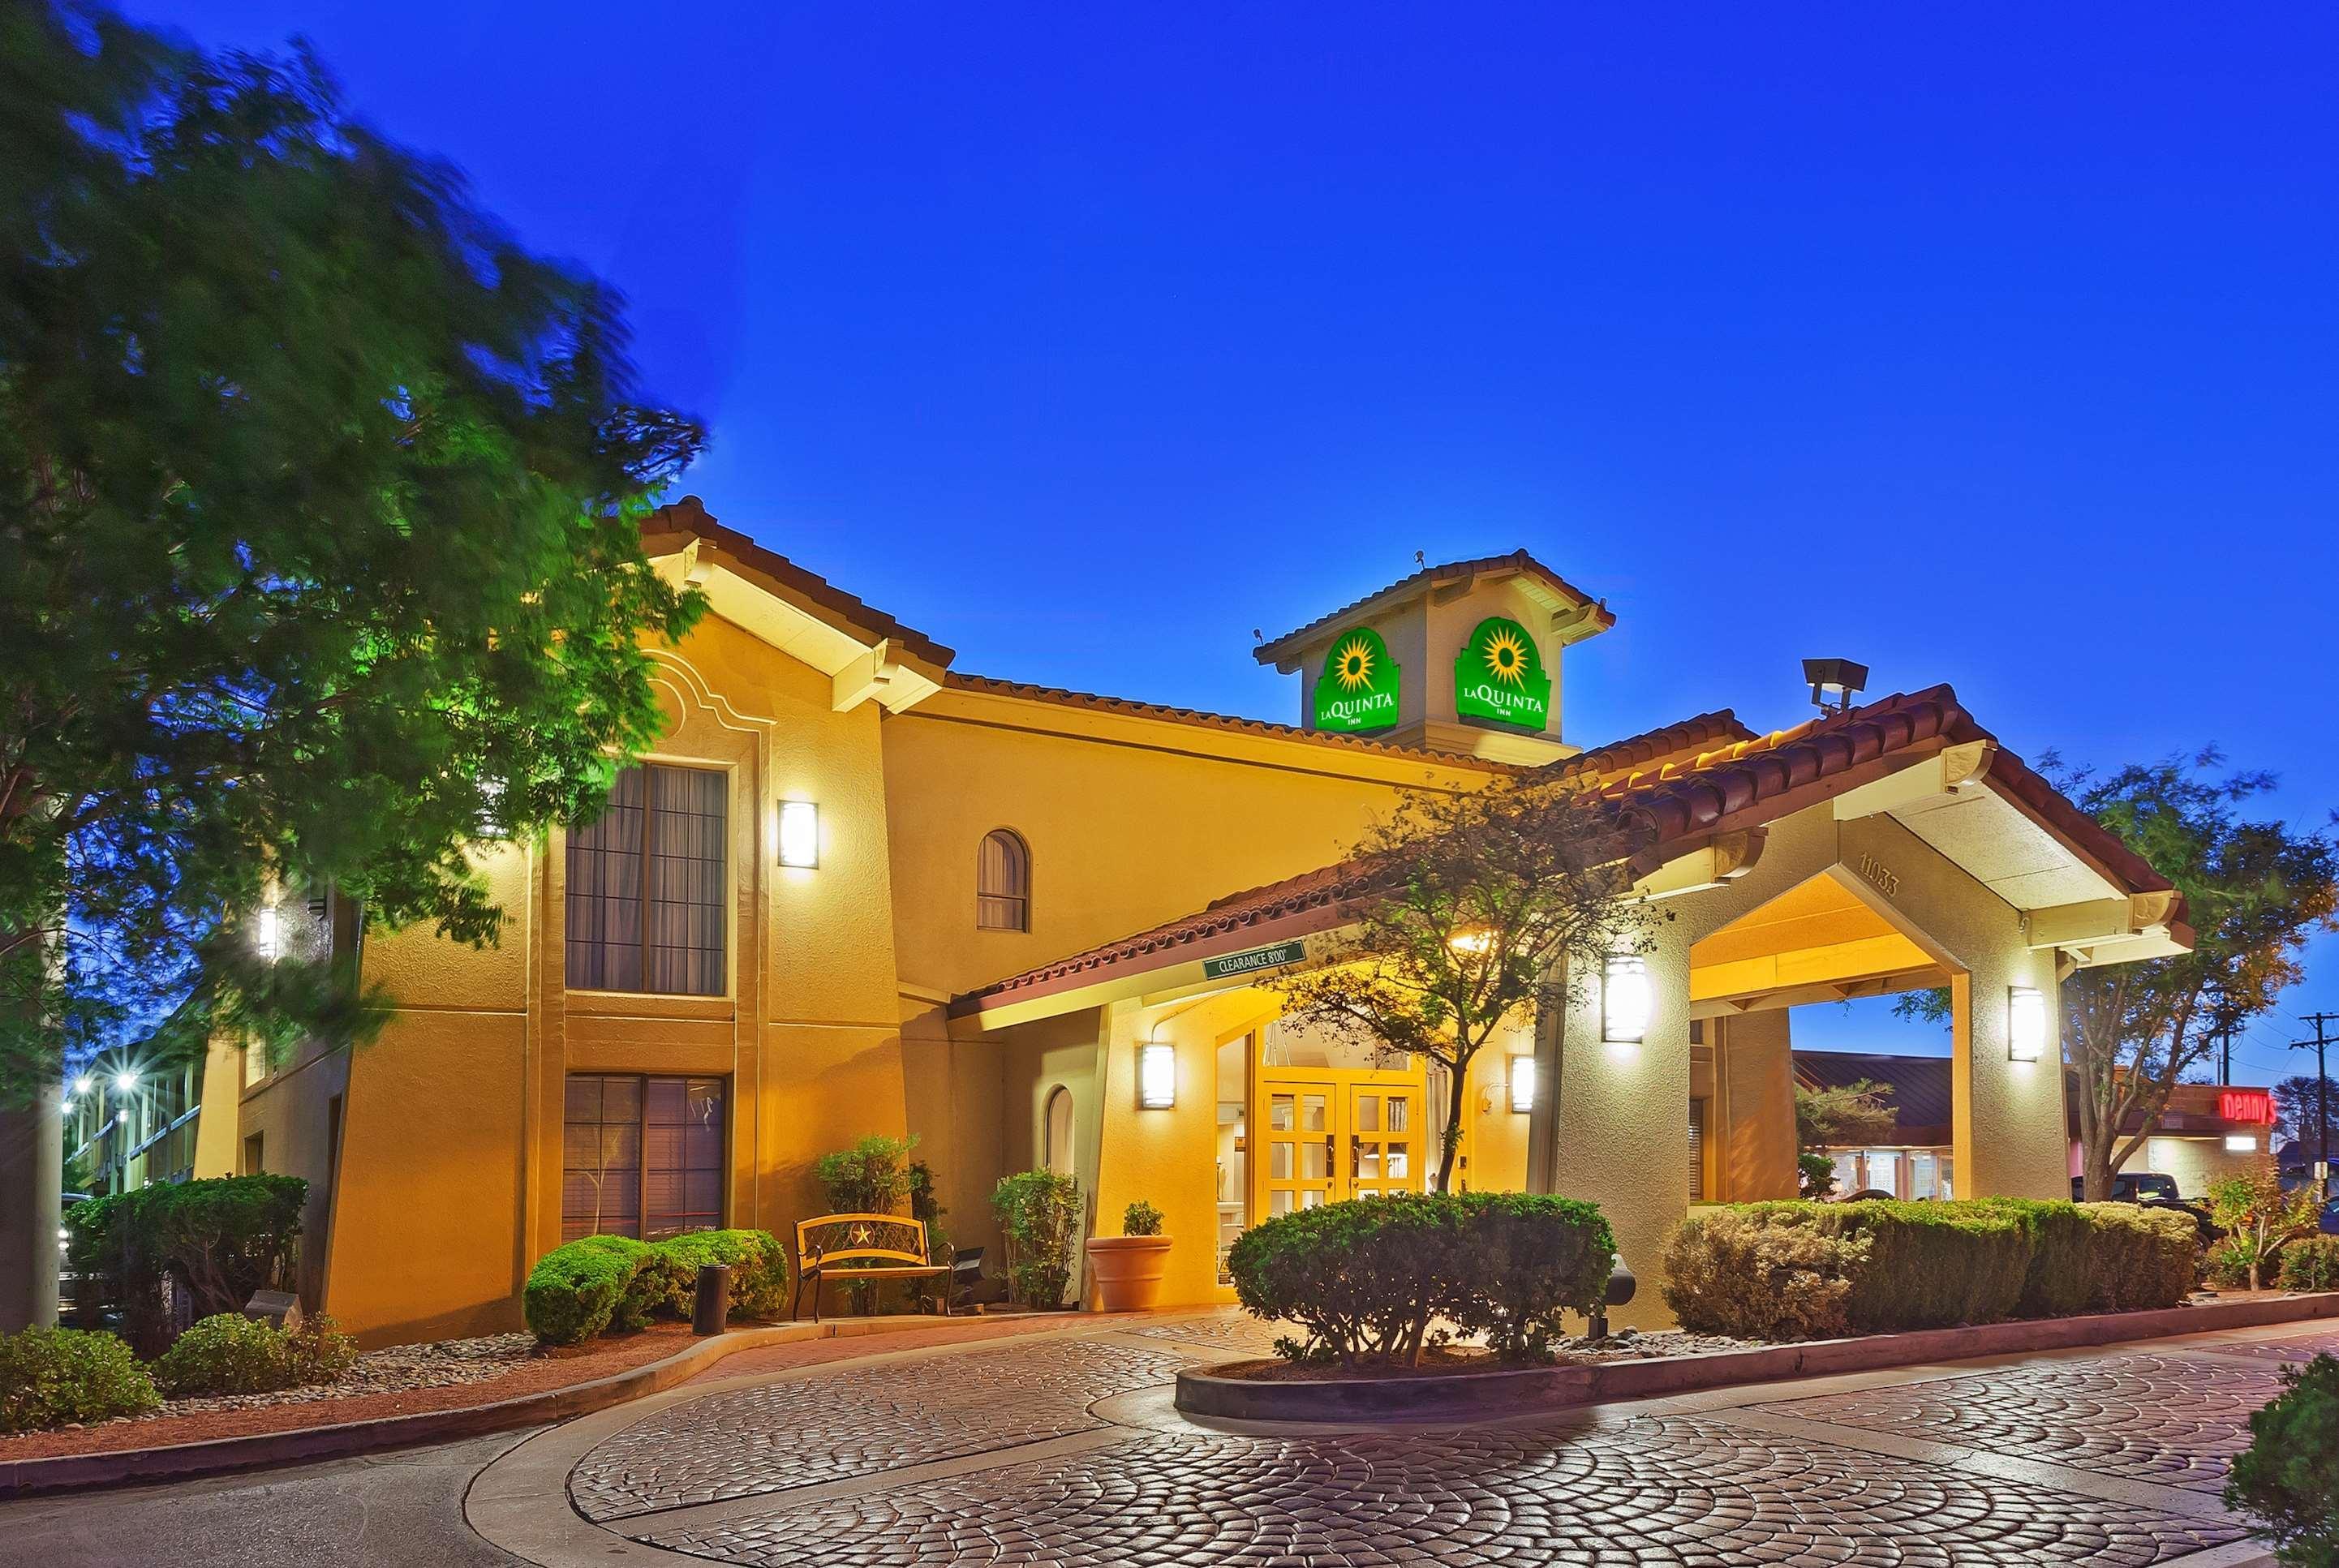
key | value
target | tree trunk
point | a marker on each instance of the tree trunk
(32, 1169)
(1451, 1141)
(2095, 1169)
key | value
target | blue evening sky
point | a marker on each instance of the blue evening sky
(1994, 346)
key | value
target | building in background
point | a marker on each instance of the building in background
(2207, 1130)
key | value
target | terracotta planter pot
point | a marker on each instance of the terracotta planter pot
(1128, 1270)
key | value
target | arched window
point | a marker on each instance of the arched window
(1057, 1154)
(1002, 883)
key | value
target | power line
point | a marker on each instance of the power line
(2321, 1021)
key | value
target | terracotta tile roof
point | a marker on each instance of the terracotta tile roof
(1664, 808)
(1250, 917)
(670, 527)
(1094, 703)
(1267, 652)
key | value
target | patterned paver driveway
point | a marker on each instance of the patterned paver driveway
(1062, 1449)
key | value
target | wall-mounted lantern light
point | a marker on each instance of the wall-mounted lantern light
(266, 934)
(2026, 1023)
(1625, 1000)
(799, 834)
(2241, 1143)
(1523, 1083)
(1157, 1076)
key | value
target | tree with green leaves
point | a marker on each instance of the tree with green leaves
(1472, 912)
(1844, 1116)
(2255, 890)
(319, 553)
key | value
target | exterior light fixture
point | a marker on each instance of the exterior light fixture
(266, 933)
(2026, 1023)
(2241, 1143)
(1834, 683)
(1523, 1083)
(122, 1116)
(799, 834)
(125, 1081)
(1625, 1000)
(81, 1084)
(1157, 1076)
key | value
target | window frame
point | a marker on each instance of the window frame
(642, 1171)
(984, 899)
(727, 896)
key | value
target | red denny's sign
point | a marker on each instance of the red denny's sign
(2246, 1105)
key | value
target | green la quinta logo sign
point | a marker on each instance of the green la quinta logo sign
(1499, 676)
(1357, 690)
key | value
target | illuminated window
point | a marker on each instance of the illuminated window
(646, 886)
(1002, 883)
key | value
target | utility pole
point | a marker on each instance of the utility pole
(2321, 1021)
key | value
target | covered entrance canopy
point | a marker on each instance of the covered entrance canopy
(1892, 846)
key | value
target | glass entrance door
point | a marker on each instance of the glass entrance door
(1325, 1133)
(1384, 1137)
(1297, 1171)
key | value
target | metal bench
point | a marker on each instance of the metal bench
(868, 1247)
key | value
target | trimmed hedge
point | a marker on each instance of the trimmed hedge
(575, 1288)
(596, 1283)
(60, 1377)
(1365, 1278)
(759, 1270)
(1791, 1270)
(2311, 1263)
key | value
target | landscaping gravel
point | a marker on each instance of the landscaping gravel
(394, 1370)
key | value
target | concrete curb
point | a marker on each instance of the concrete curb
(181, 1460)
(1502, 1393)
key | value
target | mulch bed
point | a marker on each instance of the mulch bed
(551, 1368)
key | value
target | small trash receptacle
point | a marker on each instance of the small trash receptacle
(712, 1307)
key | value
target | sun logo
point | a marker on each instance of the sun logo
(1352, 666)
(1506, 656)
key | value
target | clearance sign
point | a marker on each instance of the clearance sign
(1357, 690)
(1499, 676)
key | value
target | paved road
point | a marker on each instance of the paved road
(1060, 1448)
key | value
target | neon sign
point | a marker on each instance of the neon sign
(2246, 1105)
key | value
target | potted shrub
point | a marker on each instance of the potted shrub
(1128, 1267)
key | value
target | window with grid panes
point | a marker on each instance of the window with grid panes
(646, 885)
(643, 1156)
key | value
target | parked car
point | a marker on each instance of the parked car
(2154, 1190)
(2330, 1225)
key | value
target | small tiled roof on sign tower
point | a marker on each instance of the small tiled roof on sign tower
(1517, 562)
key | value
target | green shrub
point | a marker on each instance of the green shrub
(2311, 1263)
(576, 1290)
(1881, 1266)
(219, 1240)
(1760, 1277)
(1040, 1214)
(2102, 1256)
(2288, 1477)
(759, 1270)
(1521, 1259)
(1140, 1219)
(59, 1377)
(319, 1351)
(1366, 1278)
(871, 1176)
(226, 1352)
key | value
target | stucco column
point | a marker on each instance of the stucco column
(1620, 1122)
(2009, 1135)
(31, 1174)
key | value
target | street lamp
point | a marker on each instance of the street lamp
(1834, 683)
